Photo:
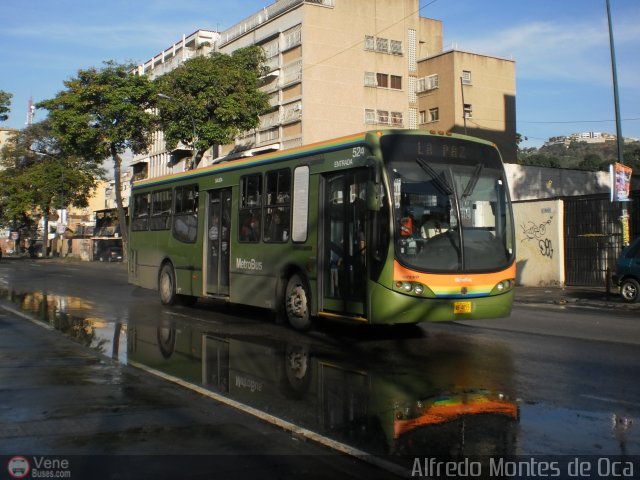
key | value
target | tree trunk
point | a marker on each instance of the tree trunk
(122, 218)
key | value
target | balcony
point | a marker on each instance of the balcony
(199, 42)
(266, 14)
(292, 73)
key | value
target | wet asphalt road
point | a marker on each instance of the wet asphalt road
(549, 380)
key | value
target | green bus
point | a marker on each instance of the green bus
(383, 227)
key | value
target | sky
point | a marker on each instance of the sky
(561, 49)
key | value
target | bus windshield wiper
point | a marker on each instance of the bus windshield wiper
(473, 181)
(440, 183)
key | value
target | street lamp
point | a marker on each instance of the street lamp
(194, 138)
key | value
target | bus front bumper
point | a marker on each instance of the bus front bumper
(391, 307)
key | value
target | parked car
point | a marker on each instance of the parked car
(627, 275)
(111, 254)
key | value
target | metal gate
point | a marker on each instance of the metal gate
(592, 238)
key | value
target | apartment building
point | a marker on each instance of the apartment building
(472, 94)
(5, 135)
(157, 161)
(338, 67)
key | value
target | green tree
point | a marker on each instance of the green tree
(102, 113)
(210, 100)
(39, 177)
(591, 161)
(5, 104)
(539, 160)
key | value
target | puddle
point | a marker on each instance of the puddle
(380, 409)
(403, 400)
(75, 318)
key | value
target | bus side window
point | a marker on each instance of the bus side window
(160, 210)
(140, 219)
(299, 227)
(250, 211)
(277, 206)
(185, 218)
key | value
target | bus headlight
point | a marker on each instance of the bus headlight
(504, 286)
(413, 288)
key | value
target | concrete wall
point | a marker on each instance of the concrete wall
(539, 242)
(531, 183)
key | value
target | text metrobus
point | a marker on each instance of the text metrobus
(384, 227)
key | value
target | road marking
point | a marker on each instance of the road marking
(611, 400)
(279, 422)
(27, 317)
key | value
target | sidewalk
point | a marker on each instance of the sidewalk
(593, 297)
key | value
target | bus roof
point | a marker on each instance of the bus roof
(320, 147)
(313, 148)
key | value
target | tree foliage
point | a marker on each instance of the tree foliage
(102, 113)
(581, 155)
(210, 100)
(38, 177)
(5, 104)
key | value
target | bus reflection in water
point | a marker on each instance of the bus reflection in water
(391, 410)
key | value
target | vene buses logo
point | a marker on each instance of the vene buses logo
(252, 264)
(18, 467)
(39, 467)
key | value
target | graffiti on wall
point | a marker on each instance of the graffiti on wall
(537, 232)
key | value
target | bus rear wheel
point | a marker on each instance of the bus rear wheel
(297, 304)
(167, 285)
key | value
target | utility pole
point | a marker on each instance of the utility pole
(624, 214)
(616, 100)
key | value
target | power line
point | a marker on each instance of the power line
(550, 122)
(578, 121)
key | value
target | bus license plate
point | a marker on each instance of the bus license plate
(461, 307)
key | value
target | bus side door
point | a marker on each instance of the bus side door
(345, 230)
(217, 241)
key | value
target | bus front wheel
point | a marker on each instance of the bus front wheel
(167, 285)
(297, 304)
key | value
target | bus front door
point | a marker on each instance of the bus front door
(344, 236)
(217, 241)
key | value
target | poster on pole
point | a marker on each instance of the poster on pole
(620, 182)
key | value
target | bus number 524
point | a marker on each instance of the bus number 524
(358, 152)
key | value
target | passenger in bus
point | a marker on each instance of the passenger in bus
(406, 225)
(433, 225)
(250, 231)
(214, 234)
(335, 269)
(274, 232)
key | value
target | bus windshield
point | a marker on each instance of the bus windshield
(448, 192)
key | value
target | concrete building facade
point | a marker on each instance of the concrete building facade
(156, 162)
(339, 67)
(472, 94)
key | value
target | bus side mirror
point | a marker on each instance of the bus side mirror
(373, 196)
